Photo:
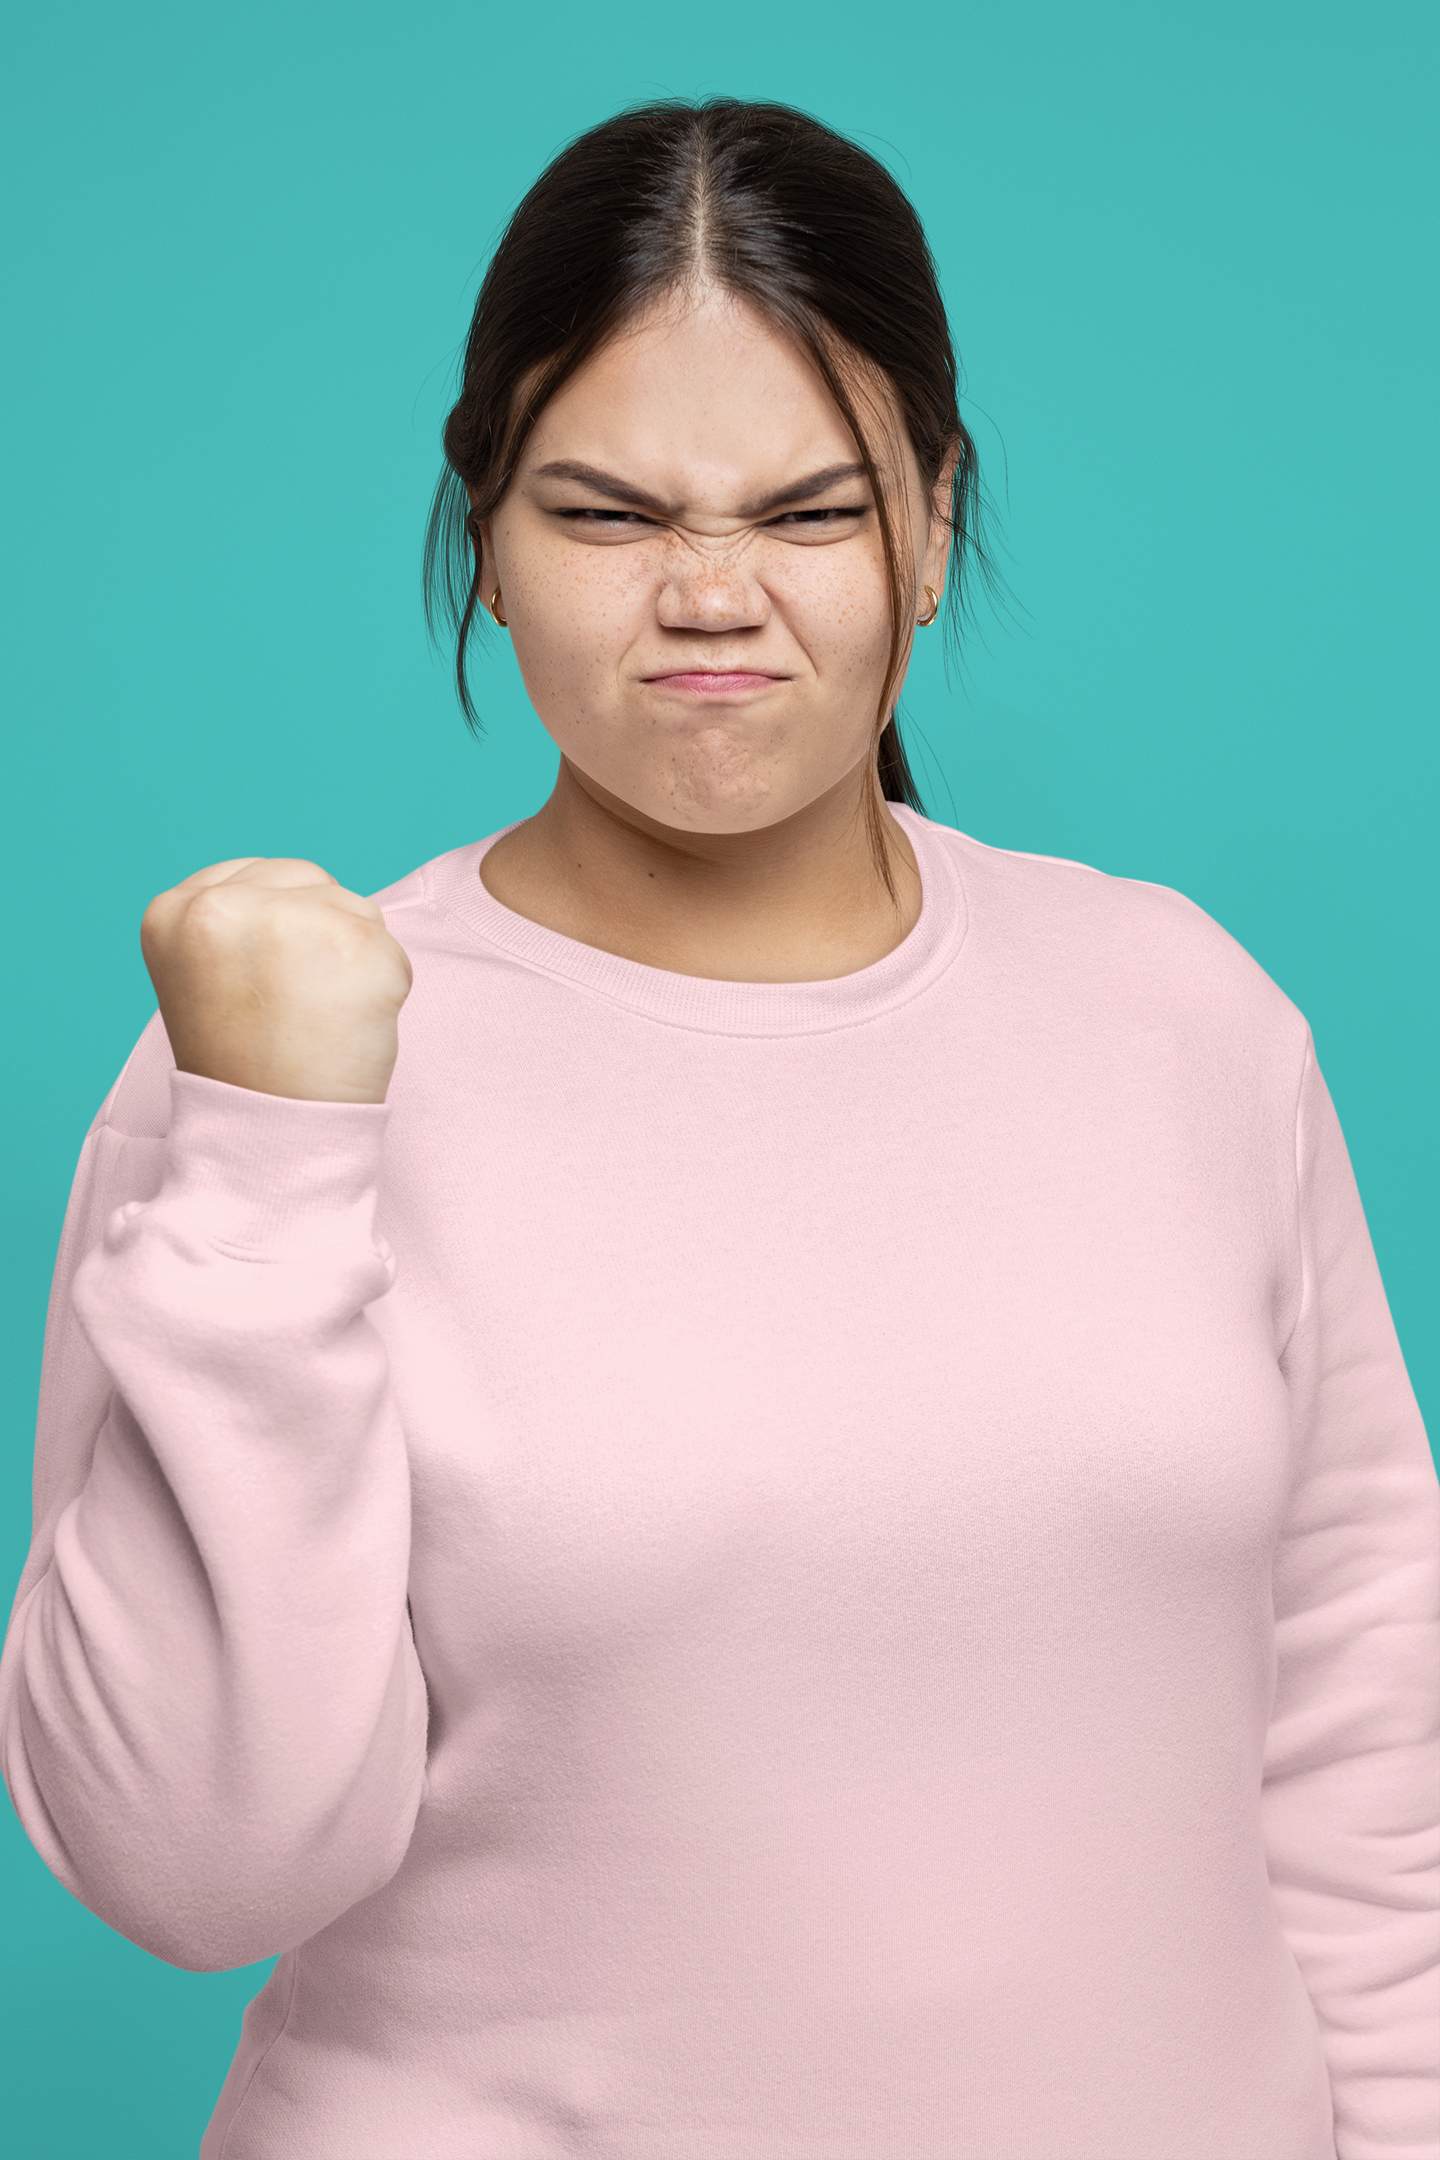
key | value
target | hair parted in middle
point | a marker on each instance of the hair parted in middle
(772, 206)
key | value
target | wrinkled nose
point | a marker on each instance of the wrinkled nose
(702, 594)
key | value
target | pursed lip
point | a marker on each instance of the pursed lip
(715, 682)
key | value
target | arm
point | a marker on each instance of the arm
(1352, 1773)
(211, 1710)
(213, 1715)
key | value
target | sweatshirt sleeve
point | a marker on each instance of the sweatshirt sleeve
(1352, 1770)
(212, 1714)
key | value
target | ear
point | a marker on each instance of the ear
(481, 531)
(937, 546)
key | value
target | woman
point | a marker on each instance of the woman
(737, 1466)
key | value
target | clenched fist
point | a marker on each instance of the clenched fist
(272, 976)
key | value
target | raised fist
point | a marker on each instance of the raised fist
(272, 976)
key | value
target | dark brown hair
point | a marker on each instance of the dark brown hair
(781, 211)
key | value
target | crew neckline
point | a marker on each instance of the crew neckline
(717, 1005)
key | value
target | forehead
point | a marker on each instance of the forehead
(700, 398)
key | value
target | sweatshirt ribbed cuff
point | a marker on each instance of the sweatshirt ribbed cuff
(263, 1167)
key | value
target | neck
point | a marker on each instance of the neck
(801, 901)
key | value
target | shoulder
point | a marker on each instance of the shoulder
(413, 891)
(431, 909)
(1138, 951)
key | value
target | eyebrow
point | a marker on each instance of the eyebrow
(603, 483)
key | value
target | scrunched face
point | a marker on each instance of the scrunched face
(691, 566)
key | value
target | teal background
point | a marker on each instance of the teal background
(1182, 247)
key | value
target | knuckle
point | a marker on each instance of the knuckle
(208, 907)
(348, 937)
(215, 917)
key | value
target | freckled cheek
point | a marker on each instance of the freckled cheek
(837, 607)
(574, 615)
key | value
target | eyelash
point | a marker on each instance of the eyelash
(806, 517)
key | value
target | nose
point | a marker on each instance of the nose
(706, 593)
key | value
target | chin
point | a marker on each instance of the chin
(718, 785)
(738, 802)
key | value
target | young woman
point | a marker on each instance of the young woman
(736, 1465)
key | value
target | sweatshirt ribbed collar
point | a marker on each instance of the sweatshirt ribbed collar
(726, 1008)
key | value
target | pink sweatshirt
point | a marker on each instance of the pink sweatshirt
(817, 1571)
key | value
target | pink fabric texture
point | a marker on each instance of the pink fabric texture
(823, 1571)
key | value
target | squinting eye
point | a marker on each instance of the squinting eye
(607, 517)
(820, 517)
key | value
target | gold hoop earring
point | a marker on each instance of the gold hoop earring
(504, 620)
(923, 622)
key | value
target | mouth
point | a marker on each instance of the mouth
(714, 682)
